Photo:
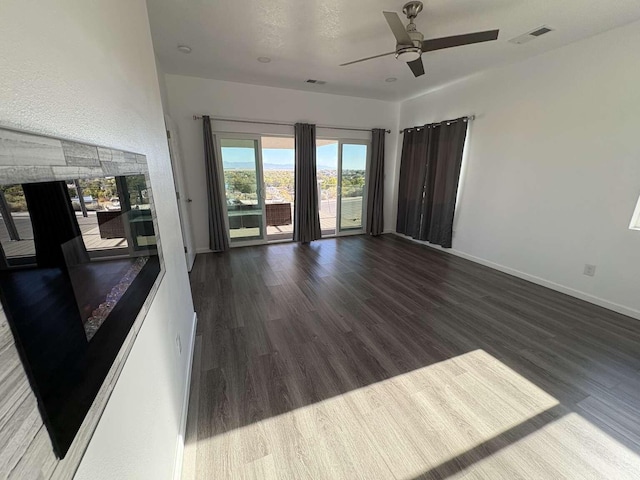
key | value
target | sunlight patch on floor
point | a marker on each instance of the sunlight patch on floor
(467, 417)
(570, 447)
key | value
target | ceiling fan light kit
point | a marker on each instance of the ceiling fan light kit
(410, 43)
(408, 54)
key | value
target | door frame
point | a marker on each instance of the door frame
(349, 141)
(341, 232)
(277, 135)
(217, 136)
(184, 212)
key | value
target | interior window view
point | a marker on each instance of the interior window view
(92, 211)
(277, 240)
(97, 208)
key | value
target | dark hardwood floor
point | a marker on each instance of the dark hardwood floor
(366, 357)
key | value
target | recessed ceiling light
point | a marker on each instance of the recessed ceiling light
(264, 59)
(184, 48)
(390, 79)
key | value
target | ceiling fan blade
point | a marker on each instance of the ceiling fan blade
(417, 67)
(459, 40)
(398, 28)
(365, 59)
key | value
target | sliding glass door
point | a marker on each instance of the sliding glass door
(278, 156)
(258, 173)
(352, 179)
(258, 177)
(327, 176)
(242, 174)
(342, 179)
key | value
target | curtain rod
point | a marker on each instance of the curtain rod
(199, 117)
(468, 118)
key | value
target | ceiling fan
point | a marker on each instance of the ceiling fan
(411, 44)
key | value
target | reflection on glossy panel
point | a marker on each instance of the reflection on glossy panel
(78, 258)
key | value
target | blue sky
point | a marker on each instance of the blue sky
(353, 157)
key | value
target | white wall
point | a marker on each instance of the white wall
(85, 70)
(554, 166)
(164, 98)
(190, 95)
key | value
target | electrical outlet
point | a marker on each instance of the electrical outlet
(590, 270)
(179, 344)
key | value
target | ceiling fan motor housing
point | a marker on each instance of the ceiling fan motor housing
(409, 53)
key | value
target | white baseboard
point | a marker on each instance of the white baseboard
(203, 250)
(177, 470)
(601, 302)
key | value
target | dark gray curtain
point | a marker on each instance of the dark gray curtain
(375, 193)
(412, 157)
(429, 175)
(306, 221)
(218, 240)
(56, 233)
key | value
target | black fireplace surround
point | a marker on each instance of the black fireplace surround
(79, 258)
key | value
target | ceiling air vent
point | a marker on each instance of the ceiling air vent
(540, 31)
(532, 35)
(317, 82)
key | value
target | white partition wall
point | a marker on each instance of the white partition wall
(553, 173)
(85, 71)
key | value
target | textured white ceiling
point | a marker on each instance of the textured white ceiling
(309, 39)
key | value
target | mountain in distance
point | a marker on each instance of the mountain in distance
(268, 166)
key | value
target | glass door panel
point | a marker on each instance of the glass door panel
(353, 169)
(242, 185)
(278, 165)
(135, 209)
(327, 174)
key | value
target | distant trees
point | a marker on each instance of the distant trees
(100, 189)
(241, 185)
(242, 181)
(15, 197)
(137, 187)
(353, 183)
